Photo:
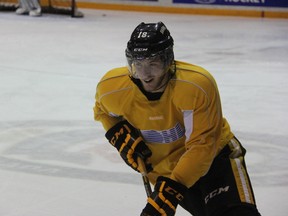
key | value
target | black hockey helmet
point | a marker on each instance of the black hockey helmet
(149, 40)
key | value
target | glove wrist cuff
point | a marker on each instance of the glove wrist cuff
(116, 128)
(172, 188)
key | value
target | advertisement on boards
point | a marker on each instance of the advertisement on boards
(144, 0)
(258, 3)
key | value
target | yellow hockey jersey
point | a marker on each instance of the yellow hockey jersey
(184, 129)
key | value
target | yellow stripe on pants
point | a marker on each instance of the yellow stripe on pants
(240, 174)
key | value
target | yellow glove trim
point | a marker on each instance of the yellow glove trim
(163, 198)
(156, 206)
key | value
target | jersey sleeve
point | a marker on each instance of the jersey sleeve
(203, 125)
(101, 115)
(105, 101)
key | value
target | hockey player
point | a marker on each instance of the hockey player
(168, 113)
(31, 7)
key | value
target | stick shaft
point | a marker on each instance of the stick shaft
(145, 179)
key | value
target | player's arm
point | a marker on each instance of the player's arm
(101, 115)
(201, 144)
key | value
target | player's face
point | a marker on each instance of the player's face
(151, 73)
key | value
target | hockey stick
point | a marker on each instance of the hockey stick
(145, 179)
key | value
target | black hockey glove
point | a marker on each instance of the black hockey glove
(165, 198)
(130, 144)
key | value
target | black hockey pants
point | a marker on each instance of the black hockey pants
(226, 189)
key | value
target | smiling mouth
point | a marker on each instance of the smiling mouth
(148, 80)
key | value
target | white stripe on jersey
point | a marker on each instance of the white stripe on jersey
(163, 136)
(188, 123)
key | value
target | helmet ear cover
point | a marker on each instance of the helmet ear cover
(150, 40)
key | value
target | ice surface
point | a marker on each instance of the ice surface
(54, 159)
